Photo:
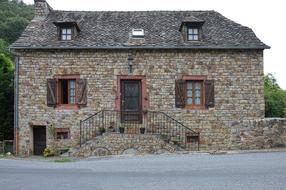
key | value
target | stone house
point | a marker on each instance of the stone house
(185, 75)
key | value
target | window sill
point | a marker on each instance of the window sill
(67, 107)
(188, 107)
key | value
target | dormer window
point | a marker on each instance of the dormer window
(193, 34)
(66, 33)
(191, 29)
(67, 30)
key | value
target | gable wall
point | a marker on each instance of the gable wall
(238, 79)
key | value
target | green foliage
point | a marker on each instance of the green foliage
(63, 160)
(275, 98)
(6, 96)
(14, 17)
(47, 153)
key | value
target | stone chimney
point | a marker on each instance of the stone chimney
(42, 9)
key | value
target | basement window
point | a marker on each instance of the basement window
(62, 133)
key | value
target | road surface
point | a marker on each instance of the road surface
(261, 171)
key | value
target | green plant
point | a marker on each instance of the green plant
(63, 160)
(52, 131)
(102, 130)
(47, 153)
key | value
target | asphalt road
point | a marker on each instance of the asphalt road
(261, 171)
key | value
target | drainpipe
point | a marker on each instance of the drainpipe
(16, 107)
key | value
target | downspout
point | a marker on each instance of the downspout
(16, 107)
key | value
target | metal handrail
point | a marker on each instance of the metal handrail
(153, 122)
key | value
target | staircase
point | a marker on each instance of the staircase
(155, 123)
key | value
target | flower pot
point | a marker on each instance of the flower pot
(121, 130)
(142, 130)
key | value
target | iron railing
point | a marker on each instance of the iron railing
(144, 122)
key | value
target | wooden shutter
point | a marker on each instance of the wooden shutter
(51, 92)
(180, 93)
(81, 87)
(209, 94)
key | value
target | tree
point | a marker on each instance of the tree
(275, 98)
(6, 96)
(14, 17)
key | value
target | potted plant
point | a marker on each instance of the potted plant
(101, 130)
(142, 130)
(121, 129)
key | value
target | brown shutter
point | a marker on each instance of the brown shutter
(51, 92)
(209, 94)
(180, 93)
(81, 86)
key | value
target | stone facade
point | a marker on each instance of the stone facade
(114, 144)
(258, 134)
(238, 77)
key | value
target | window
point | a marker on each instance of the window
(194, 93)
(193, 34)
(62, 133)
(66, 34)
(138, 33)
(66, 91)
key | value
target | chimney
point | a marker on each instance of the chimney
(42, 9)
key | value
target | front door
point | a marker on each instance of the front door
(131, 101)
(39, 136)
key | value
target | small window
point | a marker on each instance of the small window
(137, 33)
(67, 91)
(194, 93)
(193, 34)
(62, 133)
(66, 34)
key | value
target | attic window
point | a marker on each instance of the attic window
(67, 30)
(66, 33)
(139, 33)
(193, 34)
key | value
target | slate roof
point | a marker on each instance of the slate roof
(112, 29)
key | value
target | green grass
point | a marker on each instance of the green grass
(63, 160)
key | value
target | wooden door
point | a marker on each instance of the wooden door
(131, 107)
(39, 136)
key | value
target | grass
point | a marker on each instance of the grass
(63, 160)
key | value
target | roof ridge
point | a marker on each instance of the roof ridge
(147, 11)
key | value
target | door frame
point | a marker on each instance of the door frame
(33, 133)
(125, 114)
(144, 92)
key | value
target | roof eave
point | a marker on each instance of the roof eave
(141, 47)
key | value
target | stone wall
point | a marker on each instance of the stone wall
(258, 134)
(238, 77)
(114, 144)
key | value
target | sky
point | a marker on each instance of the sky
(264, 17)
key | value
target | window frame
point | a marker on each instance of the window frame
(60, 90)
(61, 34)
(62, 130)
(60, 105)
(193, 34)
(195, 78)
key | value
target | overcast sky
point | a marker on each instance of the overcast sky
(265, 17)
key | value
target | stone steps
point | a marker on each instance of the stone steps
(116, 144)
